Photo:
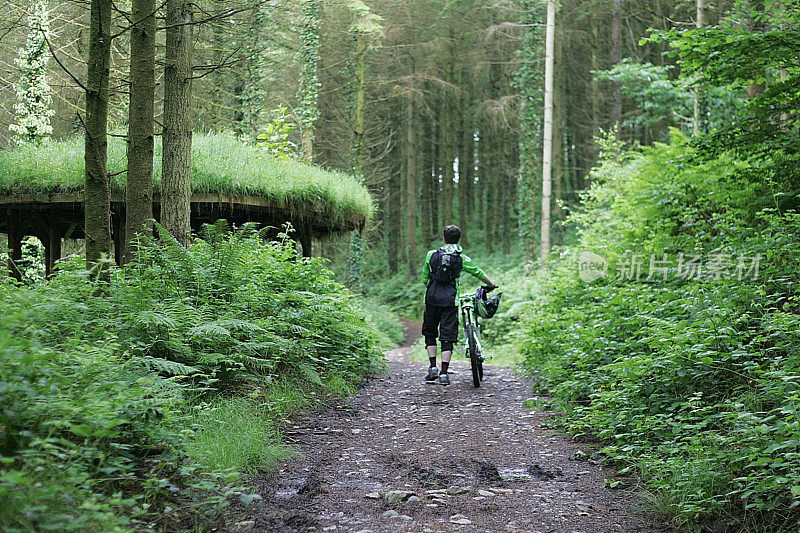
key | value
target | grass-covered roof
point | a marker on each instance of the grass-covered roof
(221, 165)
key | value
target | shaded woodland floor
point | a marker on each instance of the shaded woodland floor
(403, 455)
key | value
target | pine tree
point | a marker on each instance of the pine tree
(253, 91)
(528, 80)
(176, 188)
(34, 97)
(308, 110)
(139, 192)
(97, 202)
(547, 140)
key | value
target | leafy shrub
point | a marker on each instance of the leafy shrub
(111, 408)
(382, 317)
(77, 423)
(693, 384)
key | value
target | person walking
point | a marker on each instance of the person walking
(440, 274)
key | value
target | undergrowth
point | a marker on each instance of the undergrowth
(693, 382)
(144, 408)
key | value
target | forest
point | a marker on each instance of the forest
(215, 215)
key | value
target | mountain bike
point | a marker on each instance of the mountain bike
(473, 349)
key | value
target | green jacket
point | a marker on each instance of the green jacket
(467, 266)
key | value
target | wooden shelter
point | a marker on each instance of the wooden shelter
(57, 212)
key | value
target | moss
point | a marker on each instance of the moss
(220, 164)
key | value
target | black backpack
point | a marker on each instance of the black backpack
(449, 266)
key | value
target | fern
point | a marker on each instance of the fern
(170, 368)
(309, 374)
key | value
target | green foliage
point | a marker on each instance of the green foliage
(77, 423)
(763, 128)
(308, 92)
(659, 98)
(404, 297)
(275, 139)
(34, 98)
(690, 384)
(232, 436)
(221, 164)
(111, 408)
(384, 319)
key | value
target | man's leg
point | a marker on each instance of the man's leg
(449, 329)
(431, 347)
(447, 353)
(430, 330)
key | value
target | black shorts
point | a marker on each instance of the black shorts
(441, 323)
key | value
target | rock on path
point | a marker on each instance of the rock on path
(403, 456)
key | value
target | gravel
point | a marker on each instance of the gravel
(411, 457)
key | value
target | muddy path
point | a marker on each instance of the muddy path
(406, 456)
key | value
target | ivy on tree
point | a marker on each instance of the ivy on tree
(34, 96)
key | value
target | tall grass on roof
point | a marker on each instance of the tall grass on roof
(221, 164)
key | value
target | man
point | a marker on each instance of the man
(440, 275)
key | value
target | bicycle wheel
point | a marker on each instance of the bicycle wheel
(480, 357)
(474, 356)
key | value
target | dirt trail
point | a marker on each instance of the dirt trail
(458, 458)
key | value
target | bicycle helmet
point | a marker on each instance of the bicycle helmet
(486, 306)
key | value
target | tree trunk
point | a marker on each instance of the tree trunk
(505, 206)
(616, 57)
(465, 164)
(558, 144)
(359, 126)
(139, 195)
(52, 246)
(392, 217)
(488, 190)
(433, 207)
(308, 110)
(547, 153)
(698, 93)
(756, 26)
(481, 185)
(428, 162)
(446, 165)
(176, 187)
(411, 186)
(469, 138)
(305, 237)
(97, 200)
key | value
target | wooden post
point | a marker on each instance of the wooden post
(118, 234)
(304, 234)
(15, 244)
(52, 245)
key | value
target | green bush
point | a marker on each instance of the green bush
(114, 408)
(694, 385)
(383, 318)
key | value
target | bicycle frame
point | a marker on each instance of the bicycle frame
(467, 307)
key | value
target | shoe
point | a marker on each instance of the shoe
(444, 379)
(433, 373)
